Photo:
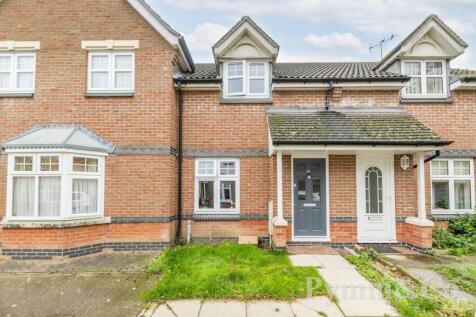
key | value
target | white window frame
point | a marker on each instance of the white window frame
(423, 77)
(217, 178)
(451, 178)
(67, 175)
(246, 79)
(111, 71)
(14, 72)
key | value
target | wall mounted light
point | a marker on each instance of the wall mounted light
(404, 162)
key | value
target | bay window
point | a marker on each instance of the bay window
(246, 79)
(54, 186)
(17, 72)
(452, 185)
(427, 79)
(111, 72)
(217, 185)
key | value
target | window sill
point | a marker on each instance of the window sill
(110, 94)
(54, 223)
(248, 100)
(216, 217)
(17, 94)
(426, 100)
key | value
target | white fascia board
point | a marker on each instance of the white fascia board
(171, 37)
(459, 85)
(19, 45)
(290, 148)
(199, 86)
(54, 150)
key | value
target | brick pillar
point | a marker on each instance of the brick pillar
(419, 236)
(279, 236)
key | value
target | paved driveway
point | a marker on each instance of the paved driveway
(96, 285)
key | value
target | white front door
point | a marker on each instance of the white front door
(375, 198)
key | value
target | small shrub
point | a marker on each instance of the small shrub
(459, 238)
(463, 225)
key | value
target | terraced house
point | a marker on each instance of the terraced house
(113, 138)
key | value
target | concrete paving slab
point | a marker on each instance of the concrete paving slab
(344, 277)
(333, 261)
(300, 310)
(223, 308)
(268, 309)
(317, 304)
(185, 308)
(366, 308)
(163, 311)
(304, 260)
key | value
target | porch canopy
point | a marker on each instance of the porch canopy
(348, 130)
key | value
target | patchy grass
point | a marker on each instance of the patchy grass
(462, 274)
(409, 302)
(229, 271)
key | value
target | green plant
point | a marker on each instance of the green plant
(459, 238)
(463, 225)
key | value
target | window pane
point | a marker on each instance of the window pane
(23, 196)
(23, 163)
(235, 85)
(439, 167)
(227, 195)
(205, 195)
(257, 86)
(316, 189)
(83, 164)
(373, 190)
(227, 168)
(25, 62)
(25, 80)
(85, 196)
(100, 62)
(434, 68)
(123, 80)
(49, 199)
(123, 62)
(462, 195)
(235, 69)
(461, 168)
(99, 80)
(206, 168)
(414, 86)
(49, 163)
(5, 80)
(256, 69)
(434, 85)
(440, 195)
(5, 63)
(412, 68)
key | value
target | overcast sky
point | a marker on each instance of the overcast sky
(319, 30)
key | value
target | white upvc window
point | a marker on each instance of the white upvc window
(246, 79)
(17, 72)
(452, 185)
(111, 72)
(428, 79)
(217, 186)
(54, 186)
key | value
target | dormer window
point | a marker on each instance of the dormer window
(246, 79)
(428, 79)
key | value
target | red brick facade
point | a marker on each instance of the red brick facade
(141, 189)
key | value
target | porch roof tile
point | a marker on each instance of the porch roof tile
(337, 127)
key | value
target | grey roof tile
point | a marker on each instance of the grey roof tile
(305, 71)
(349, 127)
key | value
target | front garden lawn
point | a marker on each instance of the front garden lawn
(462, 274)
(229, 271)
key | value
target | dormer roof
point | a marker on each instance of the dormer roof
(432, 38)
(243, 39)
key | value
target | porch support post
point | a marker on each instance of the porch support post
(421, 185)
(421, 219)
(279, 220)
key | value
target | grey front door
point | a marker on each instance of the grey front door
(310, 197)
